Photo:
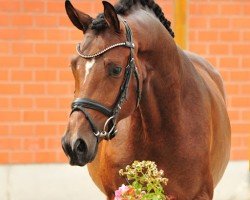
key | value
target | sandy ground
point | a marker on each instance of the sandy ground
(63, 182)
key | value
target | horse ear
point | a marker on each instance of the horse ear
(78, 18)
(111, 16)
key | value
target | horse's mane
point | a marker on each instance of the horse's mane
(124, 5)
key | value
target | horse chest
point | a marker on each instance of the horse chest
(104, 169)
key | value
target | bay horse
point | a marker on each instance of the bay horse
(138, 96)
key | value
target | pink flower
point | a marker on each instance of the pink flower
(122, 190)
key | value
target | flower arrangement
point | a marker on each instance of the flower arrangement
(144, 182)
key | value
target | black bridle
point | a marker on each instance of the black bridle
(80, 104)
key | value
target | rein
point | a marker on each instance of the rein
(80, 104)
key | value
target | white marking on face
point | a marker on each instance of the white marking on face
(88, 66)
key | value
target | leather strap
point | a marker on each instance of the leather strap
(91, 104)
(87, 115)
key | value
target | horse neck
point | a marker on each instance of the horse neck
(160, 104)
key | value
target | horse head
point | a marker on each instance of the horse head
(107, 83)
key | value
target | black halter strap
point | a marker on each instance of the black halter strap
(80, 104)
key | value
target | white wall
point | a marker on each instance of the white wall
(63, 182)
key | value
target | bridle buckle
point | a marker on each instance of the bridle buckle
(109, 134)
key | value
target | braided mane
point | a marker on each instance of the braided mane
(124, 5)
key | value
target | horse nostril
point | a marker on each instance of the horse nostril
(80, 146)
(65, 146)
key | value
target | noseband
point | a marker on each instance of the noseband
(80, 104)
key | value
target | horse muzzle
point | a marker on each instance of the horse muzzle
(78, 152)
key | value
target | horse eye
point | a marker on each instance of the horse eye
(115, 71)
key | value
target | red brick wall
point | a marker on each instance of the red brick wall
(220, 31)
(36, 86)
